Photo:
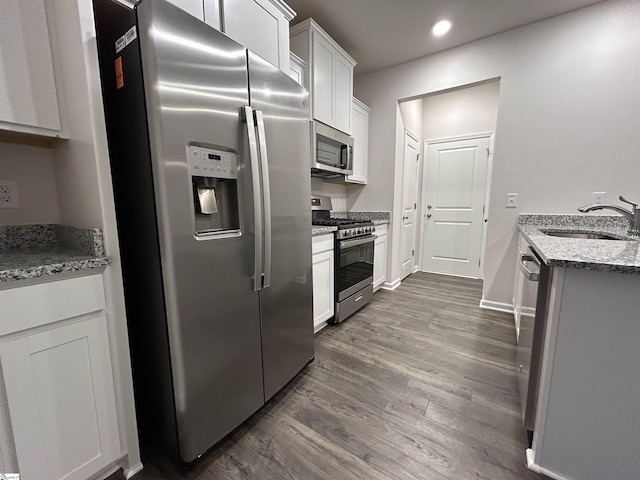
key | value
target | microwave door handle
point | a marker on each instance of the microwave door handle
(266, 197)
(257, 204)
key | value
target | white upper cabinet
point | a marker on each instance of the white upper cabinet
(28, 96)
(260, 25)
(297, 69)
(330, 74)
(193, 7)
(360, 134)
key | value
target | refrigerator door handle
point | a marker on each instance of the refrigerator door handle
(266, 196)
(257, 202)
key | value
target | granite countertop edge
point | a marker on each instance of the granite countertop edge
(39, 251)
(322, 230)
(616, 256)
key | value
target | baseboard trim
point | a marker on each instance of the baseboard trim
(319, 327)
(533, 466)
(528, 311)
(391, 285)
(131, 471)
(496, 306)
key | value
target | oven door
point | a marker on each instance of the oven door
(354, 265)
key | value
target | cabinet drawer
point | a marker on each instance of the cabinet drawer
(35, 305)
(322, 243)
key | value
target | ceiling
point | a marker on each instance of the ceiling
(382, 33)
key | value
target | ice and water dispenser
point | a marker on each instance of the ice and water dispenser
(214, 182)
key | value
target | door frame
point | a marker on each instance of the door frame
(487, 189)
(417, 224)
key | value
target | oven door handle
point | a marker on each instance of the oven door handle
(357, 241)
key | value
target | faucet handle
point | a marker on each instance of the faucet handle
(633, 204)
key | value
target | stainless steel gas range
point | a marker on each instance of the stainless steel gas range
(354, 241)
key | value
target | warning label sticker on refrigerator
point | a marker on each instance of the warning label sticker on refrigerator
(119, 74)
(126, 39)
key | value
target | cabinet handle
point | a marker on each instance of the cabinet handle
(533, 276)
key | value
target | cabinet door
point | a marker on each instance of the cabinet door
(59, 387)
(360, 134)
(342, 93)
(261, 27)
(323, 74)
(379, 261)
(211, 10)
(323, 298)
(192, 7)
(28, 95)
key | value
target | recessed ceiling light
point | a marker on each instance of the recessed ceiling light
(441, 27)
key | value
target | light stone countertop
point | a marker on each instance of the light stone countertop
(621, 256)
(34, 251)
(322, 230)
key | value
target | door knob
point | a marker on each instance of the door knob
(428, 215)
(429, 207)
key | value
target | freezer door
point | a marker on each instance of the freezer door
(195, 81)
(280, 107)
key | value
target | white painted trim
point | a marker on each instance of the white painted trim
(417, 221)
(391, 285)
(456, 138)
(496, 306)
(131, 471)
(533, 466)
(286, 10)
(106, 471)
(319, 327)
(528, 312)
(487, 196)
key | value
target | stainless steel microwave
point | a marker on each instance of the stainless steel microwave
(332, 151)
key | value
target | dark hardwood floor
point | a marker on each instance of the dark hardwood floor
(420, 384)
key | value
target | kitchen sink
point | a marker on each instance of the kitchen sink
(588, 236)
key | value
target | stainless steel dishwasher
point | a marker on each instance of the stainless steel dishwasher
(532, 333)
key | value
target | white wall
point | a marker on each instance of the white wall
(337, 192)
(33, 170)
(411, 113)
(461, 111)
(568, 120)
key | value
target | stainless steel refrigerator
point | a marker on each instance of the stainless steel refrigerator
(209, 150)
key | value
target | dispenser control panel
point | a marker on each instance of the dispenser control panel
(206, 162)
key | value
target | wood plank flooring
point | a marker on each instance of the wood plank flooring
(418, 385)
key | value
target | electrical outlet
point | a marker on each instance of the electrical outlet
(9, 194)
(512, 200)
(599, 197)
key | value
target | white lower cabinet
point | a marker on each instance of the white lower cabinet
(323, 281)
(380, 256)
(58, 380)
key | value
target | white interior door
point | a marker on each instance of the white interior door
(454, 208)
(409, 203)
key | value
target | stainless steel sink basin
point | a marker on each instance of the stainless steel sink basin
(588, 236)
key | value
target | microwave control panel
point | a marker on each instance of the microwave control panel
(206, 162)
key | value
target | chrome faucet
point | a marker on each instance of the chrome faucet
(633, 216)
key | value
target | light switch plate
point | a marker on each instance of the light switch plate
(512, 200)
